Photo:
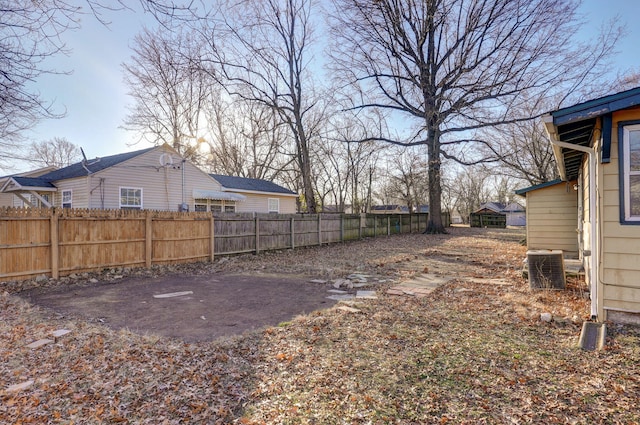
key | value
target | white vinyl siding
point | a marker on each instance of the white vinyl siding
(255, 202)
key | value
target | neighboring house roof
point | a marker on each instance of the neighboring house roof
(500, 208)
(496, 207)
(523, 191)
(91, 166)
(390, 207)
(513, 207)
(33, 182)
(250, 185)
(423, 208)
(575, 125)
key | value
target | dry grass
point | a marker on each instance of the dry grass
(473, 352)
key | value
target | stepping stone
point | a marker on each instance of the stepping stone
(349, 309)
(337, 291)
(19, 387)
(318, 281)
(39, 343)
(370, 295)
(173, 294)
(60, 332)
(341, 297)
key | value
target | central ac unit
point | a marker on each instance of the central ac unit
(546, 269)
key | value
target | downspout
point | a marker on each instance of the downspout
(593, 272)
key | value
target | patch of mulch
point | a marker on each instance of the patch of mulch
(474, 351)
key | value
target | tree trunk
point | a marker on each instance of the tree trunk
(434, 225)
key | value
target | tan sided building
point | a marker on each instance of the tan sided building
(597, 144)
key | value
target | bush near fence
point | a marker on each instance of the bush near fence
(58, 242)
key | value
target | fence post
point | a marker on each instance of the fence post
(148, 235)
(55, 253)
(375, 226)
(212, 238)
(293, 238)
(319, 230)
(342, 227)
(388, 225)
(360, 227)
(257, 235)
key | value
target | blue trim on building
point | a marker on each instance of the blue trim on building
(622, 187)
(537, 186)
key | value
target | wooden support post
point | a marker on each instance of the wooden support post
(388, 225)
(319, 230)
(360, 227)
(342, 227)
(212, 238)
(257, 235)
(293, 236)
(55, 244)
(148, 246)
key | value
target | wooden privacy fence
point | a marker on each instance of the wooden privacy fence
(58, 242)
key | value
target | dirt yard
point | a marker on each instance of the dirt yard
(474, 351)
(188, 307)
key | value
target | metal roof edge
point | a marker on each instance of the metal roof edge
(538, 186)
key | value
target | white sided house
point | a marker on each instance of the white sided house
(156, 178)
(597, 143)
(260, 195)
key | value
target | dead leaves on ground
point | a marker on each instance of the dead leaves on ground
(474, 351)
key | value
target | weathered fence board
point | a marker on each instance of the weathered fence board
(58, 242)
(488, 220)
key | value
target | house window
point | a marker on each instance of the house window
(130, 198)
(274, 205)
(201, 205)
(215, 206)
(66, 198)
(629, 137)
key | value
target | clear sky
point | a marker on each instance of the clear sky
(95, 97)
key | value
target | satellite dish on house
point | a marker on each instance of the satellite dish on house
(165, 159)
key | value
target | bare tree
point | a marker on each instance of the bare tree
(260, 52)
(169, 91)
(524, 151)
(408, 177)
(30, 32)
(246, 139)
(456, 66)
(470, 190)
(33, 31)
(57, 152)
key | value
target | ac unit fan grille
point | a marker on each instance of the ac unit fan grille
(546, 269)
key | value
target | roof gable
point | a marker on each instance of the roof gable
(248, 184)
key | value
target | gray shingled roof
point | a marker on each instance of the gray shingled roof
(93, 165)
(33, 182)
(243, 183)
